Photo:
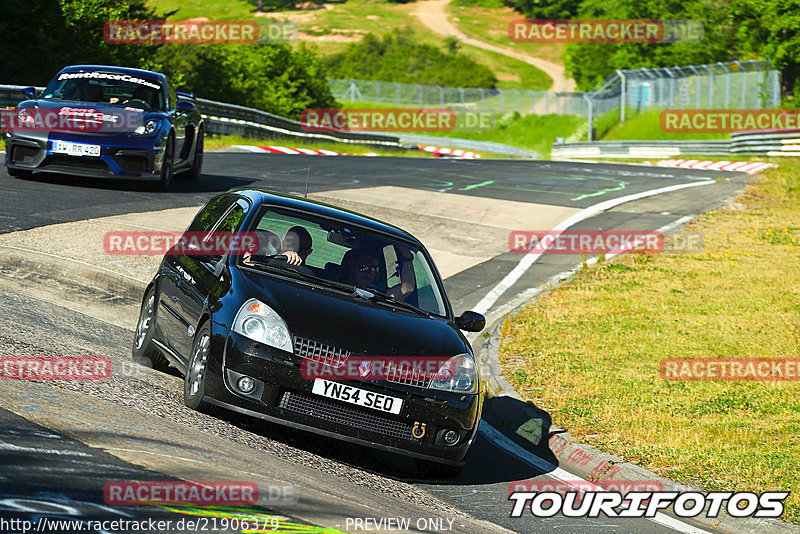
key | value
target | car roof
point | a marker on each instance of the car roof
(110, 68)
(261, 196)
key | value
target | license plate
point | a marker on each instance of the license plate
(76, 149)
(357, 396)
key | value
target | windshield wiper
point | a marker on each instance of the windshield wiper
(292, 273)
(388, 299)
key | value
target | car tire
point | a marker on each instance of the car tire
(19, 173)
(194, 380)
(144, 350)
(434, 470)
(167, 165)
(197, 163)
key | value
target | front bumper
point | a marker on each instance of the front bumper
(283, 396)
(121, 156)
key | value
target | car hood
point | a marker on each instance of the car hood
(352, 323)
(90, 117)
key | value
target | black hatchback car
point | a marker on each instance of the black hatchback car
(295, 330)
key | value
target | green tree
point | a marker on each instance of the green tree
(546, 9)
(269, 77)
(398, 57)
(39, 37)
(590, 63)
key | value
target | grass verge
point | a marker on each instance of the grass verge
(530, 132)
(589, 352)
(645, 126)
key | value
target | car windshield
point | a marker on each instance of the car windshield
(352, 255)
(107, 88)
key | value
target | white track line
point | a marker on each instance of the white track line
(525, 263)
(499, 439)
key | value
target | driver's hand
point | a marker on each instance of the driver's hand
(292, 257)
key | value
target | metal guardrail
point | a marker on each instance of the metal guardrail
(224, 118)
(745, 143)
(469, 144)
(640, 149)
(221, 118)
(766, 143)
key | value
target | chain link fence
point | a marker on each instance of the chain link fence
(735, 85)
(497, 101)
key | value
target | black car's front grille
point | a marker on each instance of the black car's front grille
(76, 162)
(320, 352)
(338, 413)
(23, 154)
(133, 164)
(407, 376)
(336, 358)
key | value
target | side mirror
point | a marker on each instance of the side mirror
(471, 321)
(185, 105)
(30, 92)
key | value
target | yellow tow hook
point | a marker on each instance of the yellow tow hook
(419, 430)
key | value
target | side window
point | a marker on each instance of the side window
(217, 239)
(232, 221)
(210, 214)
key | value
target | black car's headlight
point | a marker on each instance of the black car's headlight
(259, 322)
(459, 374)
(147, 129)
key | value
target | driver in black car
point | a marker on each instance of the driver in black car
(296, 245)
(361, 268)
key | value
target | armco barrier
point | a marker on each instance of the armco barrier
(468, 144)
(745, 143)
(640, 149)
(221, 118)
(766, 142)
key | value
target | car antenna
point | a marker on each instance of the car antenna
(308, 172)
